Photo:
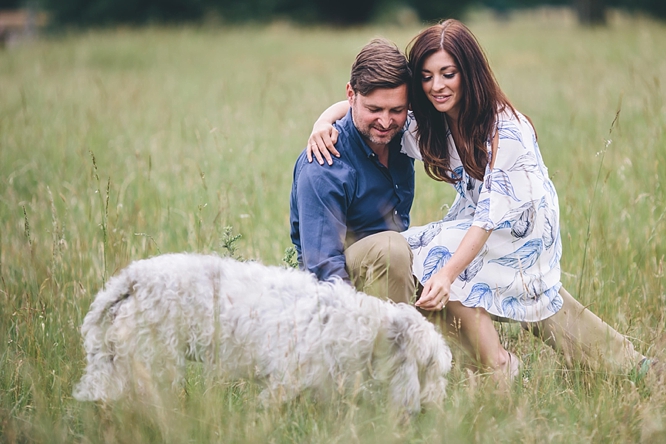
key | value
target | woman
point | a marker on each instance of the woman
(496, 253)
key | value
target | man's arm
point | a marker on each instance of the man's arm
(322, 200)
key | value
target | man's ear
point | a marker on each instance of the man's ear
(350, 94)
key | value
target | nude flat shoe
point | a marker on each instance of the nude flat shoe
(513, 367)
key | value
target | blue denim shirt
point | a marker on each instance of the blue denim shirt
(334, 206)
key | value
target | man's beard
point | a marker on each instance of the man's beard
(384, 140)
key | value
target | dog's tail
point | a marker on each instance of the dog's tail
(102, 380)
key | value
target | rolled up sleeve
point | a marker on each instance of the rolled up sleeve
(322, 197)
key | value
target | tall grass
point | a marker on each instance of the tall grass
(121, 144)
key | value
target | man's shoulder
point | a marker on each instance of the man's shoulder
(340, 169)
(348, 136)
(345, 138)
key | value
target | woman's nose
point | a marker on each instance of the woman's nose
(438, 83)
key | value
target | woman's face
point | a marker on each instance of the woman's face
(440, 79)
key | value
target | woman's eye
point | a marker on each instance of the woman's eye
(426, 78)
(450, 75)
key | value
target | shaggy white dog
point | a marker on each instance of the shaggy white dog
(280, 327)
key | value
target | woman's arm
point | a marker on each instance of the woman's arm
(436, 290)
(322, 140)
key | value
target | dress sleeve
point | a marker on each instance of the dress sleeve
(410, 141)
(322, 199)
(514, 185)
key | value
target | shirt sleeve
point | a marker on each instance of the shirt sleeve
(410, 142)
(512, 186)
(322, 196)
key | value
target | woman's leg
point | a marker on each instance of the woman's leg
(475, 331)
(585, 339)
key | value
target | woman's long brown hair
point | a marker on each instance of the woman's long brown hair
(481, 101)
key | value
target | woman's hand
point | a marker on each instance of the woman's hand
(321, 142)
(435, 294)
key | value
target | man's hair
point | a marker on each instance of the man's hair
(380, 64)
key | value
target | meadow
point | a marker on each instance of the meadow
(121, 144)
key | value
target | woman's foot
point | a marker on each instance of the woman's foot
(512, 369)
(507, 372)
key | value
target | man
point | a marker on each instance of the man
(345, 219)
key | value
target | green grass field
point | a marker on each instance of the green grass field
(121, 144)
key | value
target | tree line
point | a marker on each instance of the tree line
(338, 12)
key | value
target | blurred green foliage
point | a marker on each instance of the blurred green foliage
(103, 12)
(656, 8)
(10, 4)
(340, 12)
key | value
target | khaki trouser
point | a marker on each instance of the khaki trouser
(582, 338)
(381, 265)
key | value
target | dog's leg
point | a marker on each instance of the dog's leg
(107, 373)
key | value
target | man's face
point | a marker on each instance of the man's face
(380, 115)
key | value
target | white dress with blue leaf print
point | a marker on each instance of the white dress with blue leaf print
(516, 274)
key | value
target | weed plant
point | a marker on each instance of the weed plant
(120, 144)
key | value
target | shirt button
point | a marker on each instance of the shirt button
(395, 212)
(396, 186)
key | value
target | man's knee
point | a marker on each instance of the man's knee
(381, 265)
(394, 253)
(389, 249)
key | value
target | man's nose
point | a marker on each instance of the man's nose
(385, 120)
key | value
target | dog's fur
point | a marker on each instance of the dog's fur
(280, 327)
